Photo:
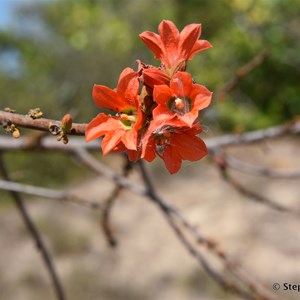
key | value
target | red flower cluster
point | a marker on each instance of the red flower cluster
(160, 118)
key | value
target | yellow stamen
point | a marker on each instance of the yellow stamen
(179, 104)
(125, 117)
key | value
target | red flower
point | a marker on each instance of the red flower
(182, 98)
(174, 49)
(120, 130)
(173, 142)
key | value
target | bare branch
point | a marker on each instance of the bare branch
(254, 289)
(35, 235)
(60, 195)
(241, 166)
(99, 168)
(214, 143)
(32, 190)
(37, 124)
(108, 205)
(223, 167)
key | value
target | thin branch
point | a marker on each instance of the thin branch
(86, 158)
(60, 195)
(49, 143)
(215, 143)
(35, 235)
(170, 212)
(108, 205)
(37, 124)
(223, 167)
(234, 163)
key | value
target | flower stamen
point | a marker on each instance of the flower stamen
(179, 104)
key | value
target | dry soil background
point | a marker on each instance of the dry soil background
(149, 262)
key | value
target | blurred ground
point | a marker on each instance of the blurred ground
(149, 262)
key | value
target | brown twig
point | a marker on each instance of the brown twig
(87, 159)
(37, 124)
(108, 205)
(251, 288)
(247, 168)
(35, 235)
(48, 143)
(60, 195)
(223, 167)
(254, 289)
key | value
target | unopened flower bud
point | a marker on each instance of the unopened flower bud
(16, 133)
(65, 140)
(66, 123)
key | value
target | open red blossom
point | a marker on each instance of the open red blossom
(183, 98)
(120, 130)
(174, 49)
(172, 142)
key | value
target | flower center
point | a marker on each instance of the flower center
(125, 117)
(180, 105)
(127, 120)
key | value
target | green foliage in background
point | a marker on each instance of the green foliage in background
(54, 51)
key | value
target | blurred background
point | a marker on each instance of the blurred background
(52, 52)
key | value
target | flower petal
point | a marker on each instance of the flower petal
(101, 125)
(155, 76)
(189, 147)
(181, 84)
(153, 42)
(199, 46)
(189, 118)
(128, 86)
(134, 155)
(92, 130)
(162, 94)
(171, 159)
(169, 35)
(130, 139)
(104, 97)
(162, 110)
(188, 37)
(148, 151)
(201, 97)
(111, 140)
